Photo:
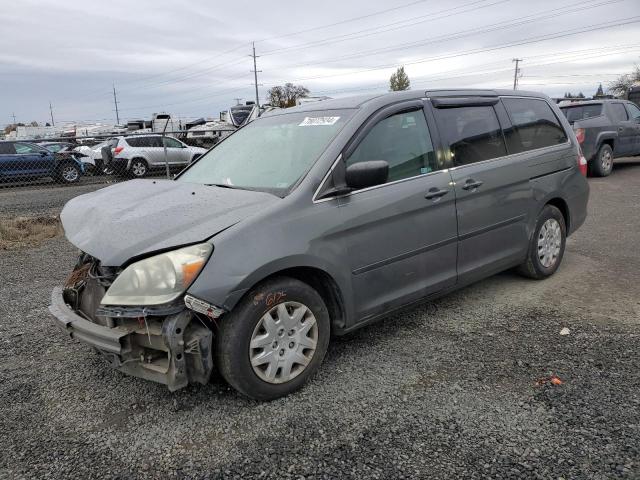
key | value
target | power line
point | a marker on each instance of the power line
(342, 22)
(465, 33)
(526, 41)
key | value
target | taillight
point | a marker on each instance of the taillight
(580, 135)
(117, 150)
(582, 163)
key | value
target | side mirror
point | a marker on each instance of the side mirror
(366, 174)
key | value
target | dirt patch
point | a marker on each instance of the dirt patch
(28, 231)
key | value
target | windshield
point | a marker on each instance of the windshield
(582, 112)
(269, 154)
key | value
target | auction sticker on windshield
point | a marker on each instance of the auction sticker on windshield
(317, 121)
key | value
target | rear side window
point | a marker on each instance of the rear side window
(582, 112)
(7, 149)
(473, 133)
(134, 142)
(618, 112)
(403, 141)
(534, 125)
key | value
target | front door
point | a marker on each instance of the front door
(400, 236)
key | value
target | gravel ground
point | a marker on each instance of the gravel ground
(446, 390)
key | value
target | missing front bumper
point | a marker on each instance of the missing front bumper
(174, 350)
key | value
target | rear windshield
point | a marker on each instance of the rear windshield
(582, 112)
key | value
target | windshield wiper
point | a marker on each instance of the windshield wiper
(223, 185)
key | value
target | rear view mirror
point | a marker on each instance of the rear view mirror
(367, 174)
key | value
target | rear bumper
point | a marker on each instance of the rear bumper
(170, 350)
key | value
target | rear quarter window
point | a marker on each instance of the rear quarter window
(534, 125)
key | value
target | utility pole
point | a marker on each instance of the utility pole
(255, 73)
(237, 100)
(115, 101)
(516, 73)
(14, 118)
(53, 124)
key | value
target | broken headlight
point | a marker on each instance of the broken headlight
(158, 279)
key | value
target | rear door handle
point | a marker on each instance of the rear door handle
(471, 184)
(620, 129)
(435, 193)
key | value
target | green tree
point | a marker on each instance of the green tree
(399, 81)
(286, 96)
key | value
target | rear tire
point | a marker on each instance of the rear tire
(602, 164)
(139, 168)
(546, 247)
(274, 340)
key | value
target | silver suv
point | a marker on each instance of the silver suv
(136, 155)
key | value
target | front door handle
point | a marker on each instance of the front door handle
(435, 193)
(620, 129)
(471, 184)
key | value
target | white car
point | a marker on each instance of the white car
(136, 155)
(92, 159)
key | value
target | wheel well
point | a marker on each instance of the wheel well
(322, 283)
(140, 158)
(608, 141)
(561, 205)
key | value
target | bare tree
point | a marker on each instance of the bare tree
(286, 96)
(621, 85)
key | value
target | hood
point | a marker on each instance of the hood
(142, 216)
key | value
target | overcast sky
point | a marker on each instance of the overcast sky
(191, 58)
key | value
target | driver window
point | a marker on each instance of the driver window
(172, 143)
(403, 141)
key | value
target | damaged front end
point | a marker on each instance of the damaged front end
(169, 343)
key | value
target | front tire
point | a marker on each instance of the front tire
(602, 164)
(274, 340)
(546, 247)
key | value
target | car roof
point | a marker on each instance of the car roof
(382, 99)
(578, 103)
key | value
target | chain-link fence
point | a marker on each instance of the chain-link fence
(101, 158)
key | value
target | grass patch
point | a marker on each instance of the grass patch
(28, 231)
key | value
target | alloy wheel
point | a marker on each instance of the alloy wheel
(70, 173)
(606, 160)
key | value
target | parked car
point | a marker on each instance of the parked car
(317, 220)
(24, 160)
(137, 155)
(92, 158)
(606, 129)
(56, 147)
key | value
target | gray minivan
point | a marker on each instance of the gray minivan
(314, 221)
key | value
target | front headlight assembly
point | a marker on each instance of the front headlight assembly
(159, 279)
